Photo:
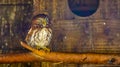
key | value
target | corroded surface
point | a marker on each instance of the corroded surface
(14, 23)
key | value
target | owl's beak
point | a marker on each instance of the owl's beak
(44, 23)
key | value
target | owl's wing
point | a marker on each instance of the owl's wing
(28, 35)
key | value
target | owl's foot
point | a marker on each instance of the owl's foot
(46, 49)
(37, 47)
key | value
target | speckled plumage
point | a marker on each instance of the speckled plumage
(39, 35)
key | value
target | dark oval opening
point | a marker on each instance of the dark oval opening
(83, 8)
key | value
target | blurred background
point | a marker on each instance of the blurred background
(79, 26)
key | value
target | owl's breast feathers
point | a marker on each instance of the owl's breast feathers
(39, 37)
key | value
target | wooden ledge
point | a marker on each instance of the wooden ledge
(41, 55)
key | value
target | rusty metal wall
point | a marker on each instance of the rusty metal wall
(14, 20)
(99, 32)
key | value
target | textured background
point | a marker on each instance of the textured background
(98, 33)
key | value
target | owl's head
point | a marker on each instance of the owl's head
(40, 20)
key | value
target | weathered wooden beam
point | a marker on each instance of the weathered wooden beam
(14, 58)
(76, 58)
(41, 55)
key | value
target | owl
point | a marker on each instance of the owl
(40, 33)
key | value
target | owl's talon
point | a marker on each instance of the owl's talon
(46, 49)
(37, 47)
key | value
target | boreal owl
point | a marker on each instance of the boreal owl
(40, 33)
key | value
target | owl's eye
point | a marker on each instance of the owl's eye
(36, 25)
